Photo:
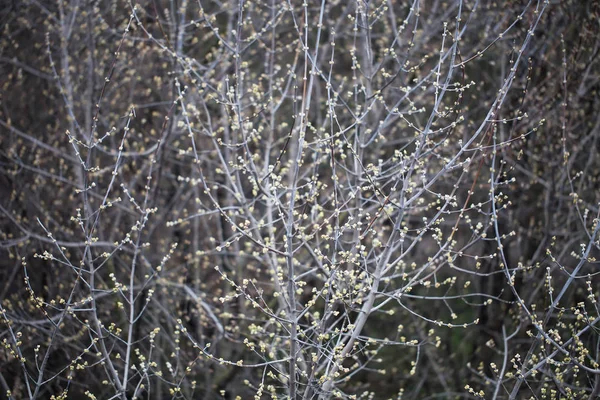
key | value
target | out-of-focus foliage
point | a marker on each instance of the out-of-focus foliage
(308, 200)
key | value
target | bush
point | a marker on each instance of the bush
(277, 199)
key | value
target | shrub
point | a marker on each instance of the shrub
(262, 199)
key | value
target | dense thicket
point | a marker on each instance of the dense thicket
(206, 199)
